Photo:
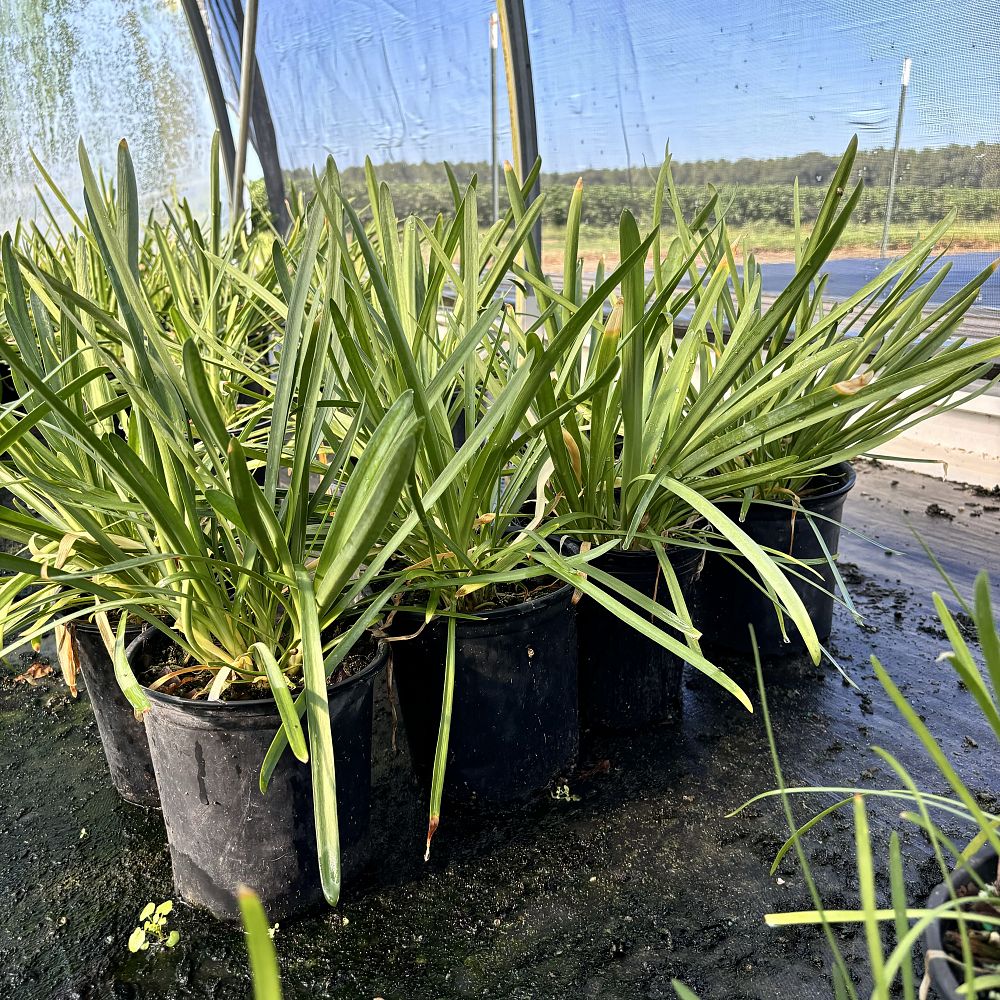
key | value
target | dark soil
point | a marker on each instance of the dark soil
(511, 594)
(188, 685)
(936, 510)
(491, 598)
(634, 878)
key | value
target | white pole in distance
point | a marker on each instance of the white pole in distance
(904, 83)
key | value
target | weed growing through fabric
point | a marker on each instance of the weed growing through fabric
(152, 929)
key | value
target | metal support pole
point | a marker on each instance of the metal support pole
(520, 95)
(227, 18)
(904, 84)
(213, 84)
(248, 64)
(494, 164)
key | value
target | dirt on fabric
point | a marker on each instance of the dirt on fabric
(637, 877)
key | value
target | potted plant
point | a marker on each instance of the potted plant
(643, 457)
(61, 288)
(950, 945)
(889, 359)
(483, 644)
(483, 648)
(249, 589)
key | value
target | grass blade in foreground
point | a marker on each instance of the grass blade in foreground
(260, 947)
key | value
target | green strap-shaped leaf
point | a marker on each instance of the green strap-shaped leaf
(324, 777)
(283, 699)
(369, 498)
(127, 681)
(869, 903)
(260, 948)
(766, 568)
(444, 733)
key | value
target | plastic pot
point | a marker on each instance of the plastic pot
(222, 831)
(514, 722)
(123, 737)
(946, 975)
(727, 602)
(8, 391)
(627, 680)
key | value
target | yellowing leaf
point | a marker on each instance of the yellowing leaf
(69, 656)
(852, 385)
(574, 453)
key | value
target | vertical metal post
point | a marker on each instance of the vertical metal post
(904, 84)
(248, 64)
(213, 84)
(520, 94)
(494, 165)
(226, 16)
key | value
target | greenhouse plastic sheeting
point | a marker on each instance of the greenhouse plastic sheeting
(103, 70)
(750, 96)
(399, 81)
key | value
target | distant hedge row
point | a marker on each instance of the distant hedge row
(603, 203)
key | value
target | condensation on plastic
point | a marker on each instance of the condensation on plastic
(104, 70)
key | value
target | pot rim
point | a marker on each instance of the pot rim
(682, 553)
(941, 971)
(378, 661)
(844, 472)
(90, 627)
(494, 615)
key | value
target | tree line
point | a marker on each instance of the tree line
(767, 203)
(958, 166)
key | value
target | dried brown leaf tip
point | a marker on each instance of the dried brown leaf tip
(852, 385)
(431, 830)
(69, 657)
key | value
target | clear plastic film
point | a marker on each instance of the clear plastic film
(102, 70)
(754, 95)
(750, 96)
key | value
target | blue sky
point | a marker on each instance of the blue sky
(408, 79)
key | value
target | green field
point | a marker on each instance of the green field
(773, 241)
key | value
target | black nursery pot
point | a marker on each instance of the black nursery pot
(728, 603)
(222, 831)
(514, 723)
(123, 737)
(626, 680)
(8, 391)
(942, 971)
